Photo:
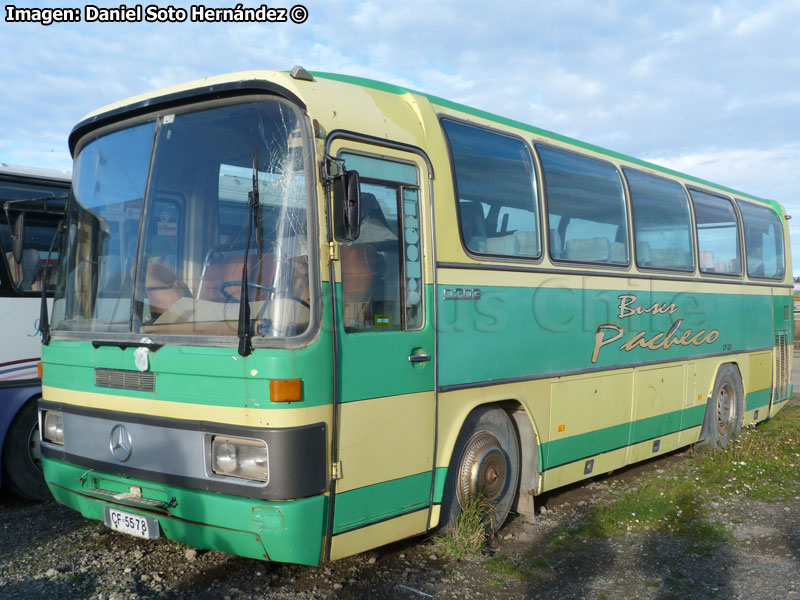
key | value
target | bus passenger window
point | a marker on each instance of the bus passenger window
(662, 225)
(763, 237)
(585, 208)
(496, 185)
(717, 234)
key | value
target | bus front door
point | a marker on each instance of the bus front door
(385, 356)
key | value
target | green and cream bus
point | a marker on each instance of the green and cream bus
(301, 315)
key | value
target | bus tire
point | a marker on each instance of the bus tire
(485, 462)
(22, 464)
(725, 409)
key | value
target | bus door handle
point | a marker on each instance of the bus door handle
(418, 357)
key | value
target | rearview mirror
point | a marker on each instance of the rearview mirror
(346, 206)
(18, 237)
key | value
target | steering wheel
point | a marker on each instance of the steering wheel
(258, 286)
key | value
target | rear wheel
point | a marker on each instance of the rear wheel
(22, 458)
(485, 464)
(725, 410)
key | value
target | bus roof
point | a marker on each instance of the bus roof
(283, 83)
(34, 172)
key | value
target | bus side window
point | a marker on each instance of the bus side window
(496, 187)
(585, 206)
(717, 234)
(763, 240)
(370, 264)
(382, 286)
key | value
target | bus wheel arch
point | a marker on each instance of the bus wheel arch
(486, 462)
(529, 473)
(725, 408)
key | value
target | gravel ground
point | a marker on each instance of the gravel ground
(48, 552)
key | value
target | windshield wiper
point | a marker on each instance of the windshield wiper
(245, 337)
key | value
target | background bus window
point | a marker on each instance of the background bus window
(717, 234)
(662, 225)
(763, 238)
(585, 208)
(43, 207)
(497, 204)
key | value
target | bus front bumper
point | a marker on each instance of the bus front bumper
(287, 531)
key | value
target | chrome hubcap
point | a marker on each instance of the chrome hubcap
(484, 469)
(726, 407)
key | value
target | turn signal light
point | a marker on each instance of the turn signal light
(286, 390)
(39, 369)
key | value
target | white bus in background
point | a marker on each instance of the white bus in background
(31, 205)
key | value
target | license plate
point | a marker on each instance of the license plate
(136, 525)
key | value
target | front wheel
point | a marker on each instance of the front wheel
(22, 458)
(485, 464)
(725, 410)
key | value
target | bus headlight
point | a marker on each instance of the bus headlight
(52, 427)
(239, 457)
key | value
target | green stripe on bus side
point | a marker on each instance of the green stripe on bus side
(399, 90)
(439, 477)
(199, 374)
(567, 450)
(757, 399)
(381, 501)
(363, 356)
(533, 331)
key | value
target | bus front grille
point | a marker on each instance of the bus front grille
(125, 380)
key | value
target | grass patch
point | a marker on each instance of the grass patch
(762, 463)
(501, 569)
(469, 534)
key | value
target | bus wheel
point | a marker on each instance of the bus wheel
(725, 410)
(485, 464)
(22, 458)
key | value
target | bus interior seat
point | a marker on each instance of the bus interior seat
(230, 269)
(592, 249)
(30, 260)
(27, 275)
(473, 225)
(556, 246)
(163, 287)
(618, 253)
(359, 266)
(516, 243)
(644, 255)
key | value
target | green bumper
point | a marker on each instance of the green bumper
(291, 531)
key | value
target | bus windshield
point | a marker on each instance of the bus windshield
(159, 219)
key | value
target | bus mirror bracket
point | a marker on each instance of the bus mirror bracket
(346, 199)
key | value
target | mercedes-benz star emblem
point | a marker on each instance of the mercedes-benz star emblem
(120, 443)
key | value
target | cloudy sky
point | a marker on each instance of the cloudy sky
(708, 88)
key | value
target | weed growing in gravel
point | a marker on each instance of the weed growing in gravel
(468, 536)
(502, 570)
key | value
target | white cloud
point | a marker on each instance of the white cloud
(654, 79)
